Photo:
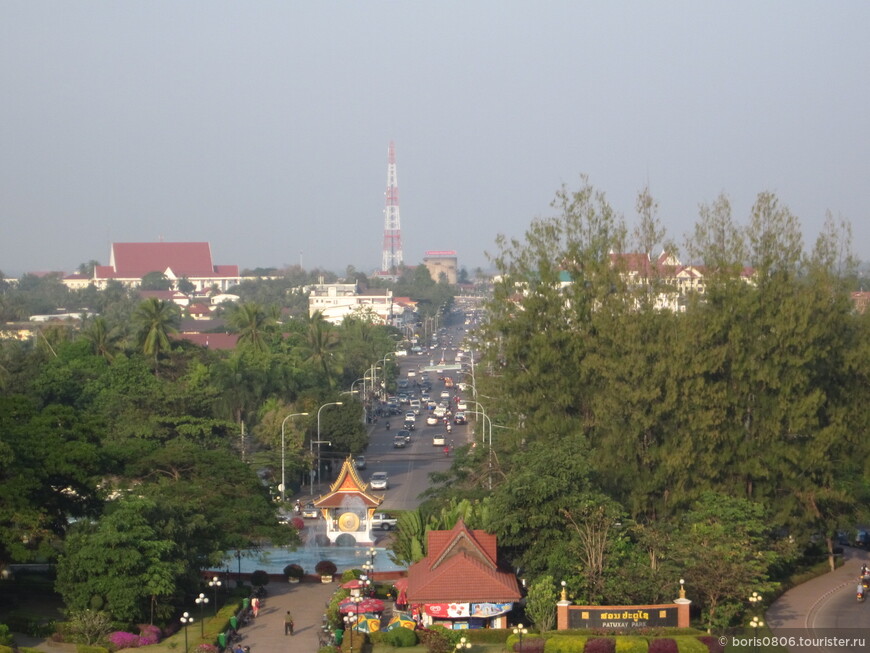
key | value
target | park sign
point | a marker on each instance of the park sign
(623, 618)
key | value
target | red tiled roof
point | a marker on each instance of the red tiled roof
(461, 567)
(198, 309)
(135, 260)
(210, 340)
(165, 295)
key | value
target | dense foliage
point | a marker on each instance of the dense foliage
(136, 459)
(644, 436)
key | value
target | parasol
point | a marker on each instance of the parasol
(401, 620)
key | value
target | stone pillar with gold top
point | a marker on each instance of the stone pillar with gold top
(683, 618)
(562, 608)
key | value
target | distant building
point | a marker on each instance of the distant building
(129, 262)
(336, 301)
(441, 261)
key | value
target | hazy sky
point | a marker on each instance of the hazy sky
(263, 127)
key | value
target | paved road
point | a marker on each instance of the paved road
(307, 602)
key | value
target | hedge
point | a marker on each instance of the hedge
(565, 644)
(690, 644)
(631, 644)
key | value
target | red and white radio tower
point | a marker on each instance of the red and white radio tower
(392, 259)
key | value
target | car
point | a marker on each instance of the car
(310, 512)
(440, 411)
(399, 442)
(438, 440)
(460, 419)
(380, 481)
(425, 397)
(461, 405)
(404, 433)
(410, 415)
(411, 374)
(432, 420)
(445, 394)
(359, 462)
(409, 425)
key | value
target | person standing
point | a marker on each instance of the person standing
(288, 623)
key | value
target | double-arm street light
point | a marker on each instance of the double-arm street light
(283, 483)
(215, 582)
(519, 631)
(201, 600)
(319, 441)
(186, 620)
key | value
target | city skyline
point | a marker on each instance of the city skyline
(262, 128)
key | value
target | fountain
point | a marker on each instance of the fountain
(273, 560)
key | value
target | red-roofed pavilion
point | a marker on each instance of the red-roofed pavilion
(459, 583)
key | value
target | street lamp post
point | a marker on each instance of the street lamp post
(351, 620)
(755, 623)
(462, 644)
(201, 600)
(311, 448)
(519, 631)
(215, 583)
(186, 620)
(283, 484)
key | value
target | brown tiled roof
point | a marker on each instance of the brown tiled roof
(211, 340)
(461, 567)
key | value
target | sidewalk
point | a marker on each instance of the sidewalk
(306, 601)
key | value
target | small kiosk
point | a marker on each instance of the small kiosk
(348, 509)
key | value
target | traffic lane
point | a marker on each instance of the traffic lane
(839, 614)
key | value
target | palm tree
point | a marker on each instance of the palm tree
(322, 341)
(104, 340)
(157, 319)
(251, 321)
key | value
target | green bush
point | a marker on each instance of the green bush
(27, 649)
(294, 571)
(690, 644)
(5, 635)
(6, 649)
(84, 648)
(565, 644)
(259, 578)
(631, 644)
(400, 637)
(487, 635)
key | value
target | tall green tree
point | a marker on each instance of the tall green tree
(156, 320)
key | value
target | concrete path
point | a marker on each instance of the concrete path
(306, 601)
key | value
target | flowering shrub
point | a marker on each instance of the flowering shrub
(120, 639)
(531, 645)
(325, 568)
(206, 648)
(663, 645)
(600, 645)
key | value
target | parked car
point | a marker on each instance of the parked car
(380, 481)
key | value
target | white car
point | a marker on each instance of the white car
(461, 405)
(440, 411)
(438, 440)
(445, 394)
(380, 481)
(432, 420)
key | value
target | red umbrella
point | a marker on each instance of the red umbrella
(371, 605)
(354, 584)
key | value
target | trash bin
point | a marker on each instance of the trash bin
(339, 636)
(234, 622)
(222, 640)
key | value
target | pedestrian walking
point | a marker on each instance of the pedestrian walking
(255, 606)
(288, 623)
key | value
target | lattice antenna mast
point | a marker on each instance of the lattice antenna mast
(392, 258)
